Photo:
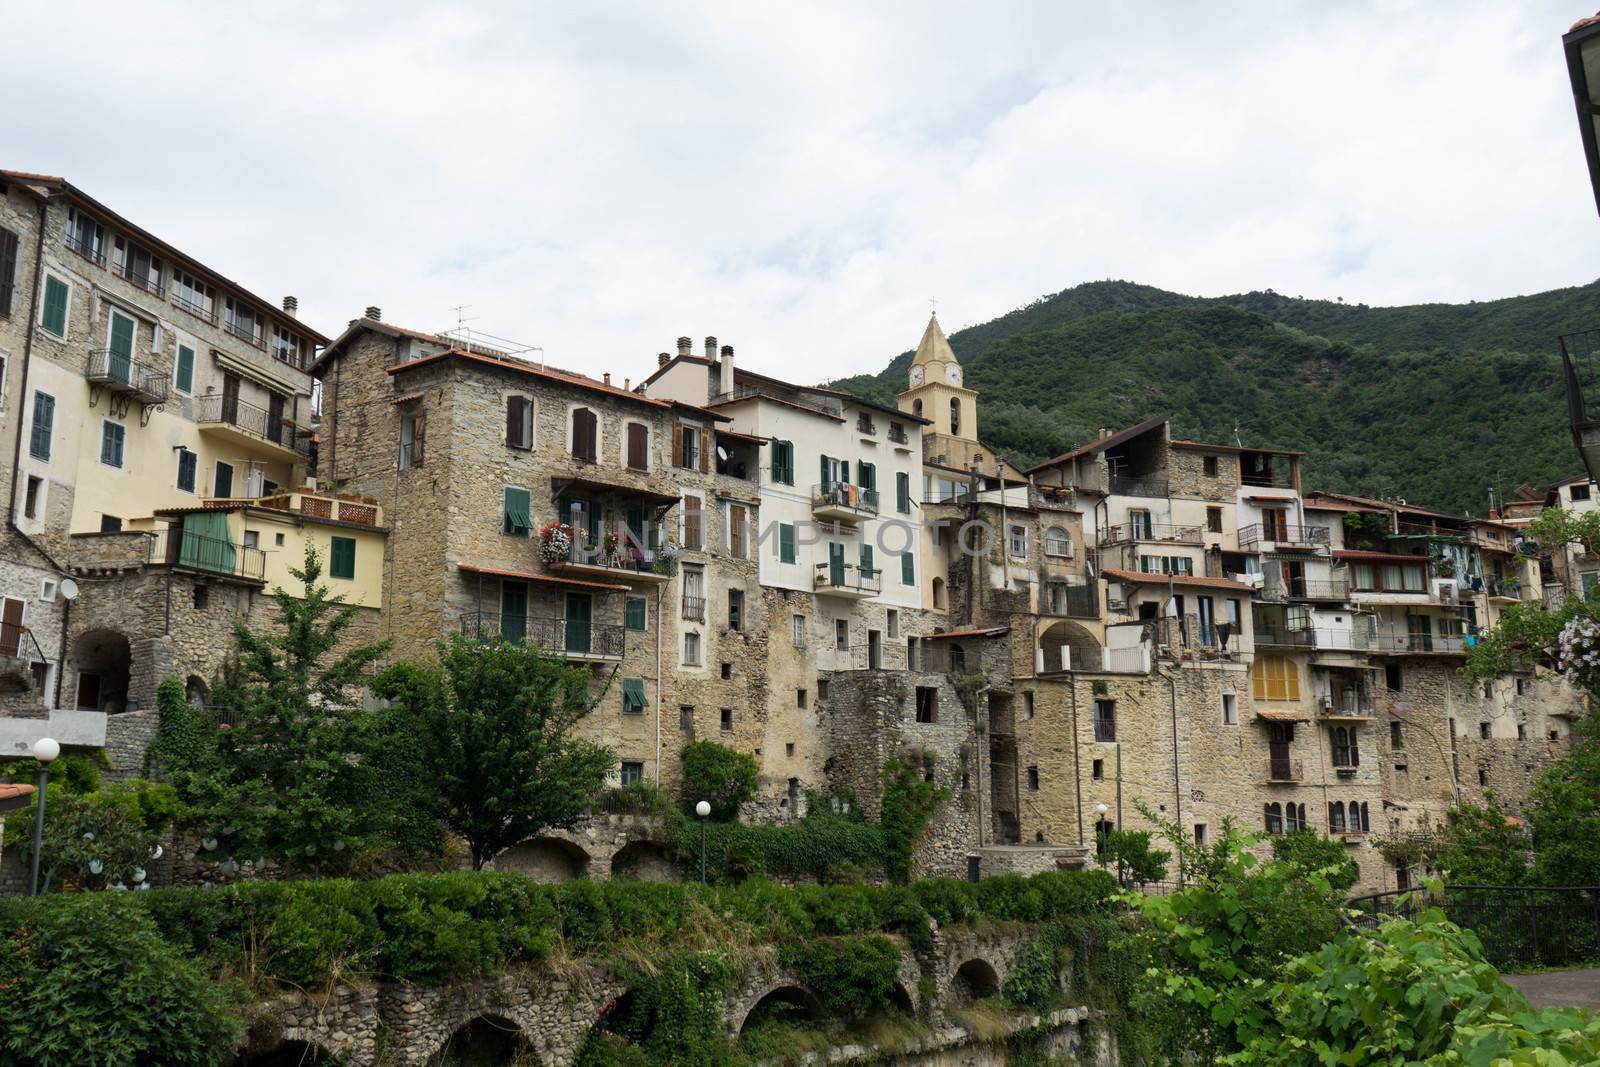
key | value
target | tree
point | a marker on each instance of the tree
(495, 724)
(1130, 850)
(1478, 846)
(718, 775)
(910, 799)
(107, 837)
(284, 775)
(1310, 852)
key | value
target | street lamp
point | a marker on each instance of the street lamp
(702, 809)
(45, 750)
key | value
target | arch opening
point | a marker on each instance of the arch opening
(545, 859)
(975, 980)
(644, 861)
(785, 1004)
(900, 1000)
(486, 1041)
(196, 692)
(102, 658)
(286, 1054)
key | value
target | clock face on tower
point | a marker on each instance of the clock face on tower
(916, 375)
(953, 373)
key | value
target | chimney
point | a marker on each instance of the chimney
(375, 313)
(725, 381)
(663, 359)
(627, 385)
(711, 348)
(1105, 431)
(291, 306)
(607, 377)
(684, 344)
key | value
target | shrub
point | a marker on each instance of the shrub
(855, 976)
(909, 801)
(719, 775)
(1309, 851)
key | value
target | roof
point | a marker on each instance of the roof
(1328, 502)
(934, 348)
(1390, 557)
(561, 482)
(748, 376)
(7, 790)
(1100, 444)
(545, 579)
(1282, 716)
(72, 192)
(1179, 443)
(753, 438)
(1176, 579)
(991, 631)
(1370, 504)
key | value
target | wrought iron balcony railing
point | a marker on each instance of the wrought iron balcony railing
(124, 374)
(1284, 770)
(897, 434)
(87, 247)
(252, 419)
(1282, 534)
(198, 310)
(243, 331)
(1304, 589)
(572, 637)
(848, 579)
(844, 495)
(1123, 532)
(176, 547)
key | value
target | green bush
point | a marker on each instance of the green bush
(719, 775)
(814, 847)
(854, 976)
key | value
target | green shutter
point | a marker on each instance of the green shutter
(44, 422)
(825, 470)
(635, 608)
(633, 698)
(866, 561)
(342, 558)
(788, 462)
(908, 568)
(902, 493)
(777, 461)
(185, 369)
(786, 549)
(518, 521)
(867, 475)
(55, 306)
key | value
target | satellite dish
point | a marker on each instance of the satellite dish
(722, 453)
(69, 589)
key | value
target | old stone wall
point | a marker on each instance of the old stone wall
(1186, 476)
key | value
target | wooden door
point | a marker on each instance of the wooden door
(1282, 733)
(10, 627)
(580, 614)
(275, 419)
(835, 565)
(513, 611)
(230, 398)
(121, 357)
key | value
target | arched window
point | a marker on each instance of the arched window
(1294, 817)
(1336, 817)
(1343, 747)
(1358, 817)
(1274, 677)
(955, 415)
(916, 408)
(1274, 815)
(938, 592)
(1057, 542)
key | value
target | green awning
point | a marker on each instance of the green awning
(518, 512)
(207, 544)
(633, 694)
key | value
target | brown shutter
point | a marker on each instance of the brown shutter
(8, 269)
(419, 433)
(677, 446)
(584, 426)
(638, 446)
(516, 416)
(705, 450)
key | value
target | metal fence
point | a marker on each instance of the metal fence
(1551, 925)
(571, 636)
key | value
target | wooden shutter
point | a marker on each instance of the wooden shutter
(419, 436)
(638, 446)
(705, 450)
(866, 561)
(677, 446)
(185, 369)
(8, 270)
(908, 569)
(777, 461)
(737, 529)
(55, 306)
(786, 552)
(825, 470)
(514, 421)
(584, 432)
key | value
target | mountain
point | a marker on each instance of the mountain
(1432, 402)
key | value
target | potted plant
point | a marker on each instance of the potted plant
(555, 542)
(666, 561)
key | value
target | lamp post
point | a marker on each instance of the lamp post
(45, 750)
(702, 809)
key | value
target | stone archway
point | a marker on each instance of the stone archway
(485, 1041)
(974, 980)
(1083, 651)
(545, 859)
(102, 658)
(196, 692)
(287, 1053)
(644, 861)
(782, 1003)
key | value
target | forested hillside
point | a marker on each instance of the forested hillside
(1433, 402)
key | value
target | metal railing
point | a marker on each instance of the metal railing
(1551, 925)
(844, 495)
(1419, 642)
(150, 283)
(1267, 479)
(174, 547)
(1430, 529)
(1312, 637)
(85, 247)
(244, 333)
(567, 636)
(17, 642)
(197, 310)
(848, 579)
(1072, 601)
(251, 418)
(1122, 532)
(1304, 589)
(897, 434)
(1284, 770)
(694, 608)
(1282, 534)
(116, 369)
(866, 425)
(629, 557)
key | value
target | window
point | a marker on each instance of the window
(1175, 565)
(1057, 542)
(686, 719)
(1017, 541)
(691, 649)
(633, 612)
(585, 435)
(632, 772)
(30, 500)
(638, 456)
(690, 447)
(927, 704)
(1209, 465)
(201, 596)
(1230, 709)
(867, 568)
(1400, 768)
(241, 321)
(1033, 779)
(783, 462)
(113, 437)
(54, 315)
(902, 493)
(1294, 817)
(110, 524)
(797, 631)
(822, 689)
(1365, 822)
(694, 594)
(8, 270)
(1027, 704)
(1345, 751)
(726, 719)
(47, 589)
(1483, 731)
(516, 514)
(841, 634)
(519, 422)
(1483, 776)
(85, 236)
(1391, 677)
(1580, 491)
(188, 469)
(1336, 817)
(738, 531)
(193, 295)
(222, 480)
(44, 421)
(342, 558)
(1214, 520)
(736, 609)
(633, 698)
(1522, 731)
(693, 522)
(908, 569)
(955, 416)
(278, 540)
(413, 437)
(183, 375)
(938, 592)
(1522, 686)
(799, 698)
(786, 542)
(1397, 740)
(1105, 720)
(252, 538)
(1274, 818)
(892, 620)
(1274, 677)
(1098, 770)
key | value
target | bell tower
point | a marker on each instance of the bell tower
(936, 388)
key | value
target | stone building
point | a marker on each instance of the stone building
(136, 385)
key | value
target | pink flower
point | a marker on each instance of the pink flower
(223, 726)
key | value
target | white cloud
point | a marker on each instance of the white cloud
(598, 179)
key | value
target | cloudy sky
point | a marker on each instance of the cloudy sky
(801, 180)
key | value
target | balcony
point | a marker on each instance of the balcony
(1418, 643)
(1284, 537)
(694, 608)
(200, 311)
(1353, 708)
(1337, 590)
(122, 374)
(1503, 588)
(847, 581)
(255, 428)
(1126, 532)
(1325, 639)
(318, 506)
(843, 502)
(624, 562)
(146, 280)
(1281, 770)
(1431, 530)
(87, 247)
(897, 434)
(865, 426)
(176, 547)
(1071, 601)
(243, 331)
(579, 640)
